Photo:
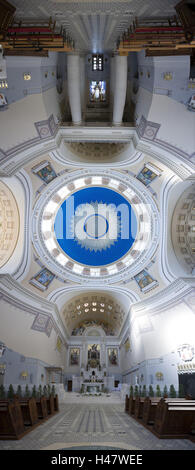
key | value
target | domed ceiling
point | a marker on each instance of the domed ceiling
(95, 225)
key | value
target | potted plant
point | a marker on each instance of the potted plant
(158, 391)
(10, 393)
(165, 392)
(151, 391)
(34, 392)
(19, 391)
(2, 392)
(172, 392)
(27, 392)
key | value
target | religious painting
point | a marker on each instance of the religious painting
(42, 279)
(74, 356)
(97, 92)
(3, 100)
(145, 281)
(80, 330)
(45, 171)
(93, 355)
(148, 174)
(113, 356)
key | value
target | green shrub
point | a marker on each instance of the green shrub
(53, 390)
(45, 391)
(27, 392)
(40, 391)
(49, 390)
(34, 392)
(151, 391)
(19, 391)
(143, 391)
(2, 392)
(158, 391)
(136, 392)
(10, 393)
(172, 392)
(165, 392)
(131, 391)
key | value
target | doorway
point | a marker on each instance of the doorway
(69, 385)
(188, 382)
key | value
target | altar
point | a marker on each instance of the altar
(93, 388)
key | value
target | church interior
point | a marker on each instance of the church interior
(97, 224)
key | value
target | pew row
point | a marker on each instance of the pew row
(166, 418)
(22, 415)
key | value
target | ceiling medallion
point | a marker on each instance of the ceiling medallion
(100, 228)
(90, 242)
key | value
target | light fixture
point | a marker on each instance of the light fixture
(86, 304)
(86, 310)
(94, 304)
(94, 309)
(2, 369)
(24, 374)
(27, 76)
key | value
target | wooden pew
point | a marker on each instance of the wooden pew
(139, 404)
(174, 418)
(29, 411)
(11, 421)
(50, 405)
(131, 405)
(42, 408)
(56, 403)
(149, 409)
(126, 404)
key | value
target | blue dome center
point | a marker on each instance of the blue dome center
(95, 226)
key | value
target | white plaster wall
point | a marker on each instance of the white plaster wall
(17, 334)
(17, 122)
(167, 330)
(177, 123)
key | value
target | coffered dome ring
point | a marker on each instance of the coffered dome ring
(127, 266)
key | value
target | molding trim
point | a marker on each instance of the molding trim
(51, 137)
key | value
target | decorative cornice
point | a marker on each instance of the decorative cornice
(51, 137)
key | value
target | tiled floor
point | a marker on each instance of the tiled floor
(81, 425)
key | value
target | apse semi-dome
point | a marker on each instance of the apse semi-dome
(95, 226)
(9, 224)
(183, 230)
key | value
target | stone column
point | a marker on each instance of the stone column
(82, 82)
(74, 88)
(120, 89)
(112, 78)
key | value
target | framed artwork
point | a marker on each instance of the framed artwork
(74, 356)
(145, 281)
(148, 174)
(42, 279)
(97, 93)
(45, 171)
(112, 356)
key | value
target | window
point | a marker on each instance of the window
(97, 62)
